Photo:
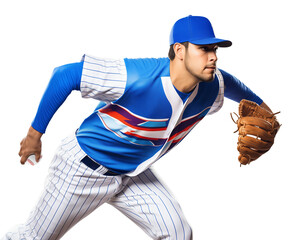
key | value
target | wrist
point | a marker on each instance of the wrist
(32, 133)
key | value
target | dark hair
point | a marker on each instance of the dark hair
(171, 53)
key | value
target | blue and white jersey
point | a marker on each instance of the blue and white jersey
(141, 115)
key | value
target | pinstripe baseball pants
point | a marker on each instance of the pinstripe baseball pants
(73, 191)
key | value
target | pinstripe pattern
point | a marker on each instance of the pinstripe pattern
(103, 79)
(148, 203)
(73, 191)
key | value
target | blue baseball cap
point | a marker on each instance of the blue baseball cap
(196, 30)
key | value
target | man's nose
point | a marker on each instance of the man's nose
(213, 56)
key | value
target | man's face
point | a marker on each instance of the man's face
(200, 61)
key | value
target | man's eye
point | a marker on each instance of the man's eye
(207, 49)
(204, 49)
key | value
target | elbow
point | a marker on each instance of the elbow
(69, 74)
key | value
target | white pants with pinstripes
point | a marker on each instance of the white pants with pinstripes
(73, 191)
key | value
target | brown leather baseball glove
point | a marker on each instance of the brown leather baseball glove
(257, 128)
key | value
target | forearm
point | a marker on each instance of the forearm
(236, 90)
(64, 80)
(34, 134)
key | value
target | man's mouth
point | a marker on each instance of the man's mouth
(211, 67)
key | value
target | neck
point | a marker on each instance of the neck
(181, 79)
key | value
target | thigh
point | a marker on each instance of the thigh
(72, 192)
(147, 202)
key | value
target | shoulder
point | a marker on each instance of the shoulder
(146, 64)
(226, 76)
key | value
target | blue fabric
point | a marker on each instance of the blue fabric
(144, 100)
(119, 135)
(236, 90)
(64, 79)
(183, 96)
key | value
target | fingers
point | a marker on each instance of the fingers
(24, 158)
(30, 146)
(37, 157)
(21, 153)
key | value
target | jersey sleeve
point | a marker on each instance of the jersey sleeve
(63, 81)
(103, 79)
(236, 90)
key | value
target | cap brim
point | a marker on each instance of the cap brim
(220, 42)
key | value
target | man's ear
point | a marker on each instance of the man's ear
(179, 51)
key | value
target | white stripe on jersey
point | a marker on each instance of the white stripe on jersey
(103, 79)
(217, 105)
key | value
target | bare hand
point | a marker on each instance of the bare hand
(30, 145)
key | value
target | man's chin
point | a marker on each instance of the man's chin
(208, 79)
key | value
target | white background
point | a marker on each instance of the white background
(220, 199)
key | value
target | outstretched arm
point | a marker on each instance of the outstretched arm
(236, 91)
(257, 126)
(97, 78)
(64, 80)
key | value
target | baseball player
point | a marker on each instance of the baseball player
(146, 107)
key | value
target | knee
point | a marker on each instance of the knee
(185, 231)
(181, 231)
